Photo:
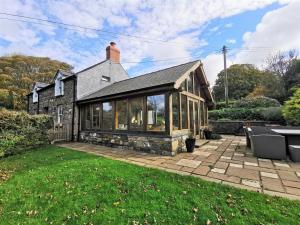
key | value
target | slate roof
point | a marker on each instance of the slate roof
(40, 84)
(157, 78)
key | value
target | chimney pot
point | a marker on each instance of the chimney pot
(113, 53)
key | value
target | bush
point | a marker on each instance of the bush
(273, 114)
(256, 102)
(235, 114)
(291, 109)
(266, 114)
(222, 105)
(20, 132)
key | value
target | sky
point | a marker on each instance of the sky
(151, 34)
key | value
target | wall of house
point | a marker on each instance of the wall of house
(89, 81)
(155, 144)
(32, 107)
(48, 103)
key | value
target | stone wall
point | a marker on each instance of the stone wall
(32, 107)
(156, 144)
(234, 127)
(48, 103)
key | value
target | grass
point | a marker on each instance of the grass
(56, 185)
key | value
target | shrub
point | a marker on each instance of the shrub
(273, 114)
(235, 114)
(267, 114)
(222, 105)
(20, 132)
(291, 109)
(256, 102)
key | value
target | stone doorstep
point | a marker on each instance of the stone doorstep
(251, 183)
(188, 163)
(270, 175)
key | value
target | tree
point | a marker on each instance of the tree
(291, 109)
(242, 79)
(19, 72)
(292, 76)
(281, 62)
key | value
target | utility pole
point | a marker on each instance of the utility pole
(224, 51)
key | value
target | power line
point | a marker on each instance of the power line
(82, 27)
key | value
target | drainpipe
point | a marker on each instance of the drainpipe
(73, 111)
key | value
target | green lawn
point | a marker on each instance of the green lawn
(59, 186)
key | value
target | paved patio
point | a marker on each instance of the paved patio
(226, 161)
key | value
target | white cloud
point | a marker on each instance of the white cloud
(277, 31)
(231, 41)
(228, 25)
(180, 23)
(214, 29)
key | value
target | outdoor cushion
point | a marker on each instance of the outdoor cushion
(294, 151)
(268, 146)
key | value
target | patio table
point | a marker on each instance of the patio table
(292, 135)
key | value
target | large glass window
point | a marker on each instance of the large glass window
(107, 116)
(136, 113)
(183, 85)
(202, 113)
(96, 116)
(190, 83)
(86, 118)
(196, 86)
(121, 115)
(156, 113)
(175, 110)
(184, 118)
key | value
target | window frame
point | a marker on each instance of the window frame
(165, 113)
(116, 126)
(130, 100)
(112, 116)
(59, 111)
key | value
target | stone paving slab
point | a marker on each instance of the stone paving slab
(227, 161)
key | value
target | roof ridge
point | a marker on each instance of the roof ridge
(155, 71)
(91, 66)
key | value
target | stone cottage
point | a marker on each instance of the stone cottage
(153, 112)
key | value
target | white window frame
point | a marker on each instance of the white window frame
(59, 86)
(35, 96)
(59, 114)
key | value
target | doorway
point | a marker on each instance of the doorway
(193, 108)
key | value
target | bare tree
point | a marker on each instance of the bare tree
(281, 62)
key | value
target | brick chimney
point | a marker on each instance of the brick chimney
(113, 53)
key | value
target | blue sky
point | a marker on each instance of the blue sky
(165, 32)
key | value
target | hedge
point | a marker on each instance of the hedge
(20, 131)
(267, 114)
(256, 102)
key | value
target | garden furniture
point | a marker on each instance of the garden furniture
(269, 146)
(294, 151)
